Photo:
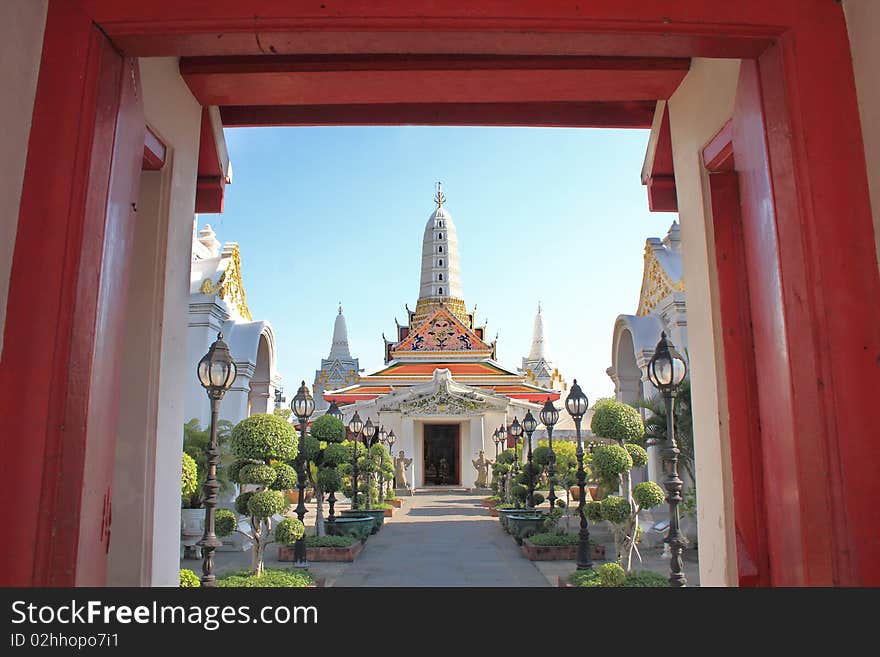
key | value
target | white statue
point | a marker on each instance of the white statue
(401, 463)
(482, 466)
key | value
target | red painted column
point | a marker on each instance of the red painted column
(814, 287)
(67, 290)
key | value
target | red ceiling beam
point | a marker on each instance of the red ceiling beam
(659, 172)
(633, 114)
(373, 79)
(211, 181)
(656, 28)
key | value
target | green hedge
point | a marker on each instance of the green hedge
(330, 541)
(269, 578)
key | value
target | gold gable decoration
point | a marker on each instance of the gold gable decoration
(426, 306)
(656, 284)
(229, 286)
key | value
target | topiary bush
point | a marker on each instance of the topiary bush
(266, 503)
(648, 495)
(554, 539)
(241, 502)
(585, 578)
(335, 454)
(617, 421)
(638, 454)
(611, 461)
(646, 579)
(263, 437)
(225, 522)
(329, 480)
(330, 541)
(285, 477)
(289, 531)
(611, 574)
(328, 429)
(188, 579)
(189, 476)
(259, 474)
(615, 509)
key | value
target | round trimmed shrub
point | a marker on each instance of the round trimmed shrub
(289, 531)
(611, 574)
(188, 579)
(235, 469)
(266, 503)
(225, 522)
(264, 436)
(241, 502)
(638, 454)
(336, 454)
(312, 447)
(615, 509)
(541, 455)
(508, 456)
(648, 495)
(329, 480)
(618, 421)
(189, 477)
(609, 461)
(259, 474)
(328, 429)
(593, 511)
(539, 499)
(519, 492)
(285, 477)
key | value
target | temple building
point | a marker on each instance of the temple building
(217, 304)
(441, 390)
(339, 369)
(661, 307)
(537, 366)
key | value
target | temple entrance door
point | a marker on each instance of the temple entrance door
(441, 455)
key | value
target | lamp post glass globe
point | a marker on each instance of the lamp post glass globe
(383, 435)
(576, 403)
(369, 430)
(516, 429)
(391, 438)
(355, 424)
(215, 370)
(529, 424)
(333, 410)
(549, 414)
(303, 404)
(666, 369)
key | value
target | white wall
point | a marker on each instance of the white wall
(164, 257)
(697, 110)
(863, 25)
(21, 45)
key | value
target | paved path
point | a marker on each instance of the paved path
(441, 540)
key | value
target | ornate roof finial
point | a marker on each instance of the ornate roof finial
(340, 307)
(539, 307)
(440, 197)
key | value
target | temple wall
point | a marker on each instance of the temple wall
(863, 25)
(699, 108)
(21, 45)
(161, 281)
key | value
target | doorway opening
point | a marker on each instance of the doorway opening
(441, 455)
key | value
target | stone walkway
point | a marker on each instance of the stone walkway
(441, 540)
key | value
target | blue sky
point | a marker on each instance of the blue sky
(325, 215)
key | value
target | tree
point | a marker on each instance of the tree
(613, 465)
(264, 446)
(195, 442)
(655, 425)
(323, 432)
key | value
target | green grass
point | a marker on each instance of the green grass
(330, 541)
(269, 578)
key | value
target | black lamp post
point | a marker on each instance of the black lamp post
(391, 439)
(516, 431)
(355, 426)
(666, 371)
(333, 411)
(576, 404)
(216, 372)
(381, 437)
(497, 441)
(549, 417)
(529, 424)
(368, 433)
(303, 405)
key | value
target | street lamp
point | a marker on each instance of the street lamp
(368, 433)
(529, 424)
(666, 371)
(333, 410)
(355, 426)
(302, 405)
(502, 437)
(216, 372)
(383, 435)
(516, 431)
(497, 441)
(576, 404)
(391, 439)
(549, 417)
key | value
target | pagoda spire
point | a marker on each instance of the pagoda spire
(538, 349)
(339, 347)
(439, 197)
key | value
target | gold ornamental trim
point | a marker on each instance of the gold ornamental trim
(426, 306)
(230, 286)
(656, 284)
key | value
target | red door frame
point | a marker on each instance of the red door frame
(825, 337)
